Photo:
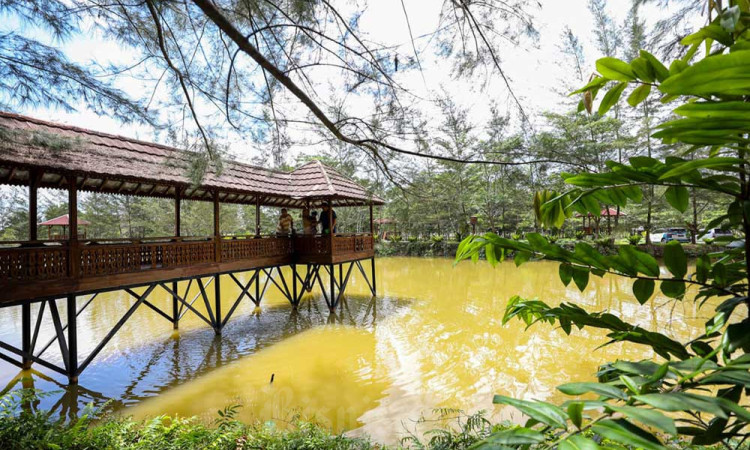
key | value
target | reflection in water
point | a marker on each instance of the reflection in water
(433, 339)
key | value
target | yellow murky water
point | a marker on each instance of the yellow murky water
(432, 339)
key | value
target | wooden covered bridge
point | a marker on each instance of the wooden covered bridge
(39, 154)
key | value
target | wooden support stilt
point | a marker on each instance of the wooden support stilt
(295, 300)
(332, 305)
(374, 283)
(26, 334)
(175, 307)
(218, 324)
(72, 340)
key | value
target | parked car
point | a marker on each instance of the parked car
(717, 233)
(675, 234)
(657, 234)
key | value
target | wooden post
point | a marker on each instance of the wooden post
(26, 333)
(33, 208)
(75, 259)
(177, 233)
(294, 286)
(217, 226)
(257, 217)
(217, 303)
(372, 230)
(177, 212)
(333, 287)
(374, 284)
(72, 340)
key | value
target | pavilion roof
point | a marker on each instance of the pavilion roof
(63, 220)
(102, 162)
(606, 212)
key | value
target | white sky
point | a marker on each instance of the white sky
(535, 68)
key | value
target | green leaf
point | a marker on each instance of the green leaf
(675, 259)
(543, 412)
(715, 110)
(724, 74)
(639, 94)
(662, 73)
(575, 412)
(521, 257)
(566, 273)
(578, 442)
(647, 417)
(624, 432)
(673, 289)
(611, 98)
(514, 436)
(676, 401)
(581, 278)
(639, 260)
(615, 69)
(604, 390)
(596, 83)
(678, 197)
(643, 290)
(643, 69)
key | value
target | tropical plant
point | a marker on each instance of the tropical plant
(437, 238)
(696, 390)
(635, 239)
(580, 235)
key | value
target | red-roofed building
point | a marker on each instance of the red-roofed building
(63, 222)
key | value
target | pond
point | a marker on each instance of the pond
(432, 339)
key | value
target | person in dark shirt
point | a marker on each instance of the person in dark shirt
(325, 220)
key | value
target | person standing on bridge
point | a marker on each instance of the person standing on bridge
(286, 223)
(328, 220)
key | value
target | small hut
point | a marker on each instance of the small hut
(61, 225)
(593, 222)
(382, 227)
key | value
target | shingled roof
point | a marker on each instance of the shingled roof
(101, 162)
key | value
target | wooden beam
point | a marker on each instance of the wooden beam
(33, 203)
(177, 212)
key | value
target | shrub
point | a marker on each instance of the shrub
(395, 238)
(412, 239)
(708, 241)
(437, 238)
(634, 239)
(517, 236)
(580, 235)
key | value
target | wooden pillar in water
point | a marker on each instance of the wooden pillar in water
(333, 285)
(26, 307)
(72, 340)
(294, 286)
(177, 233)
(374, 283)
(217, 277)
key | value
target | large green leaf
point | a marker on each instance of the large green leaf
(543, 412)
(643, 290)
(647, 417)
(673, 289)
(611, 98)
(604, 390)
(575, 413)
(578, 442)
(660, 70)
(514, 436)
(675, 259)
(639, 94)
(715, 110)
(580, 278)
(678, 197)
(615, 69)
(675, 401)
(626, 433)
(640, 261)
(725, 74)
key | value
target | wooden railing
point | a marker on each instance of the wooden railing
(42, 260)
(34, 263)
(109, 259)
(250, 248)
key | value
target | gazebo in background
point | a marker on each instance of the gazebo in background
(382, 230)
(63, 225)
(593, 222)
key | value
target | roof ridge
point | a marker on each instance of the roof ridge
(325, 174)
